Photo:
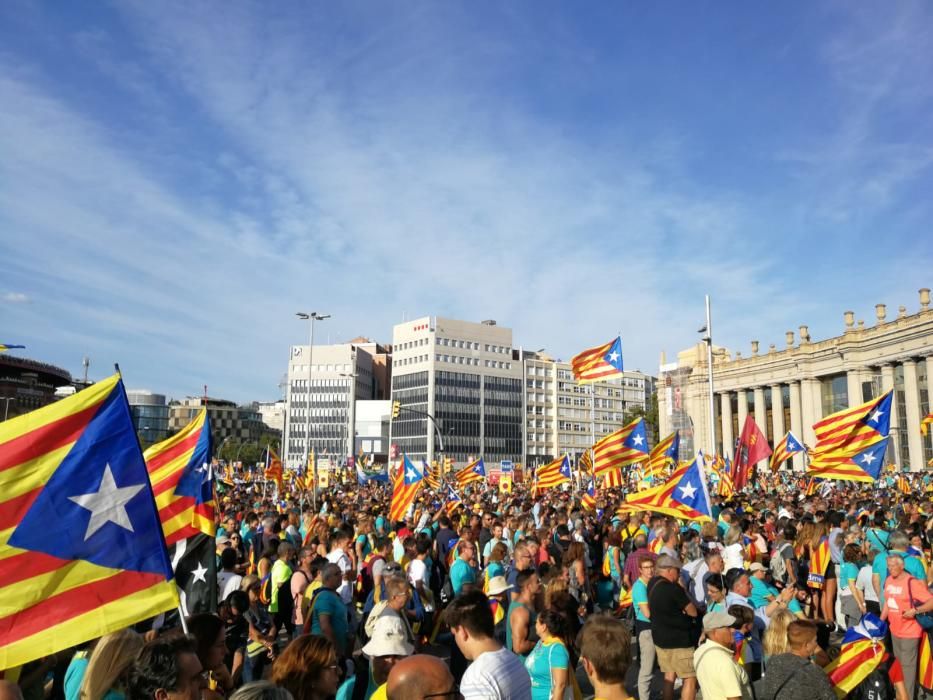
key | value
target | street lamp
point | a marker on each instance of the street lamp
(351, 424)
(708, 338)
(311, 318)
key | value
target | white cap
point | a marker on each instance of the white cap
(390, 638)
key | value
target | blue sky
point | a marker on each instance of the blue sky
(176, 180)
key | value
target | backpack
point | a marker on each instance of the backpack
(265, 589)
(288, 602)
(778, 564)
(447, 591)
(364, 578)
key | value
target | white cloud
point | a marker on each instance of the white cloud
(16, 298)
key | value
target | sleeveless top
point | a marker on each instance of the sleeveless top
(508, 626)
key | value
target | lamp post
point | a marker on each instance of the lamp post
(6, 407)
(311, 318)
(351, 422)
(708, 338)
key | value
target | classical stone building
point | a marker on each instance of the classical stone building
(795, 386)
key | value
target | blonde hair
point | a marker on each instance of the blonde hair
(107, 663)
(733, 535)
(553, 587)
(774, 641)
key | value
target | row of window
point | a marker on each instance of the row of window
(473, 361)
(299, 369)
(472, 345)
(412, 360)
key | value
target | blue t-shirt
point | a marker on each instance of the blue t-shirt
(760, 592)
(461, 574)
(327, 602)
(539, 663)
(640, 595)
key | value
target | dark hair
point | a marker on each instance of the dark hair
(423, 545)
(835, 518)
(204, 627)
(238, 600)
(317, 564)
(522, 577)
(556, 623)
(733, 575)
(790, 532)
(743, 615)
(852, 553)
(606, 644)
(380, 542)
(157, 666)
(472, 612)
(717, 581)
(228, 558)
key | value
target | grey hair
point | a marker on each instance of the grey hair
(898, 540)
(261, 690)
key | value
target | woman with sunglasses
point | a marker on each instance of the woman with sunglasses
(308, 668)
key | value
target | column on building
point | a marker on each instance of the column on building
(807, 413)
(887, 384)
(929, 361)
(796, 421)
(761, 419)
(777, 412)
(743, 408)
(912, 416)
(725, 412)
(854, 387)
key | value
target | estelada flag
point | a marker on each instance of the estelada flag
(861, 651)
(406, 488)
(181, 475)
(81, 546)
(599, 363)
(752, 448)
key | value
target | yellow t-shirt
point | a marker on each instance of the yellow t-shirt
(379, 693)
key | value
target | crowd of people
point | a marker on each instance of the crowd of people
(508, 596)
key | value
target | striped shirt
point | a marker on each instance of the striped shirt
(496, 675)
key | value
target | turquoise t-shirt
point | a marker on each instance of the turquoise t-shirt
(876, 538)
(327, 602)
(345, 691)
(539, 663)
(848, 572)
(760, 592)
(75, 674)
(367, 547)
(380, 524)
(911, 564)
(461, 574)
(495, 568)
(640, 595)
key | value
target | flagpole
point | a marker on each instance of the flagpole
(709, 370)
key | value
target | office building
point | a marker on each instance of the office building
(26, 385)
(464, 376)
(150, 415)
(229, 421)
(559, 413)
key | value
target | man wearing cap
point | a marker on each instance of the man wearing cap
(720, 677)
(494, 671)
(387, 646)
(672, 627)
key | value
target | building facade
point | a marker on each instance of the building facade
(324, 384)
(26, 385)
(229, 421)
(272, 414)
(371, 431)
(462, 374)
(792, 388)
(150, 415)
(564, 417)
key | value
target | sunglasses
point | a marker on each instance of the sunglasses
(452, 693)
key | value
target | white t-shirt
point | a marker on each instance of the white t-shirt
(496, 675)
(227, 582)
(340, 558)
(734, 556)
(418, 571)
(864, 584)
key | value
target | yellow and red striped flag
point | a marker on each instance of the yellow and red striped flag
(626, 446)
(472, 473)
(81, 547)
(788, 446)
(613, 479)
(432, 474)
(585, 463)
(813, 486)
(925, 663)
(664, 455)
(589, 498)
(846, 433)
(598, 364)
(273, 470)
(864, 465)
(819, 562)
(452, 501)
(903, 485)
(177, 468)
(925, 424)
(683, 495)
(407, 484)
(553, 474)
(726, 486)
(861, 651)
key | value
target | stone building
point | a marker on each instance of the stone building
(797, 385)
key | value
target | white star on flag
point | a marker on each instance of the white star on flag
(876, 416)
(199, 574)
(108, 505)
(637, 440)
(868, 458)
(613, 357)
(411, 474)
(688, 491)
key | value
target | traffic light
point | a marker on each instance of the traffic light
(396, 407)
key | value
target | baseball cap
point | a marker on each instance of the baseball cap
(757, 567)
(665, 561)
(223, 539)
(389, 638)
(717, 619)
